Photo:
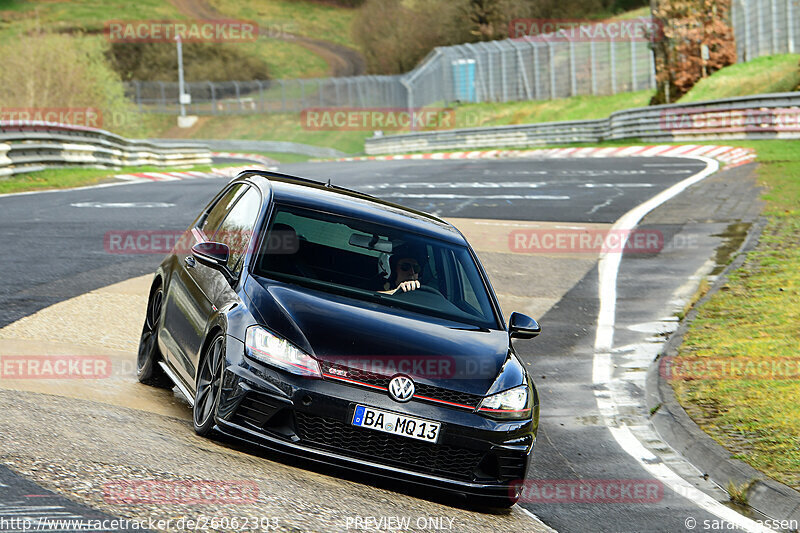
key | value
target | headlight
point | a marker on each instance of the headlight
(513, 404)
(266, 347)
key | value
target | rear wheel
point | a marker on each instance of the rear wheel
(209, 381)
(148, 370)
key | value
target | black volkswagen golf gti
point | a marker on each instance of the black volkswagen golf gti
(338, 327)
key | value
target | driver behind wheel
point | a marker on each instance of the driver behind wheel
(404, 272)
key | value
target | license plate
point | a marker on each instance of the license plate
(396, 424)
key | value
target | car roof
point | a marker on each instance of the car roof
(303, 192)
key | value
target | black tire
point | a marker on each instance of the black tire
(209, 381)
(148, 370)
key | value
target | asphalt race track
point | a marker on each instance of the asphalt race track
(53, 247)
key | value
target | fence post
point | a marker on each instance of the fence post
(572, 81)
(552, 70)
(593, 66)
(213, 98)
(774, 16)
(790, 26)
(536, 72)
(633, 64)
(613, 66)
(137, 86)
(503, 87)
(760, 23)
(260, 96)
(652, 69)
(238, 95)
(163, 101)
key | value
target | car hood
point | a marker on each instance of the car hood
(372, 337)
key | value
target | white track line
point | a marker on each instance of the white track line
(602, 371)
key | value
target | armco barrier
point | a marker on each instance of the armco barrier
(765, 116)
(32, 146)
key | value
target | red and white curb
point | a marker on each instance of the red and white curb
(730, 155)
(258, 158)
(168, 176)
(215, 173)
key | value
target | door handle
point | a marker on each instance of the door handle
(190, 261)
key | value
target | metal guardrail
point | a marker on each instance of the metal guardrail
(33, 146)
(765, 116)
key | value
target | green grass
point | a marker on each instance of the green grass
(754, 318)
(284, 58)
(63, 178)
(768, 74)
(266, 127)
(310, 19)
(561, 109)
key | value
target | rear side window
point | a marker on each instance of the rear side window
(214, 217)
(238, 227)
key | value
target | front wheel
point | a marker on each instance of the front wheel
(209, 381)
(148, 370)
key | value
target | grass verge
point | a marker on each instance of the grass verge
(754, 320)
(64, 178)
(768, 74)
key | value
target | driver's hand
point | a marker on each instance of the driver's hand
(407, 286)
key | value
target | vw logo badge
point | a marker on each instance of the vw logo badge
(401, 388)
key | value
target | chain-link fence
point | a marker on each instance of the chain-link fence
(536, 68)
(547, 66)
(765, 27)
(270, 96)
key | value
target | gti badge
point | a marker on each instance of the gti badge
(401, 388)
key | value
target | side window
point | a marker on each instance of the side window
(214, 217)
(468, 291)
(238, 227)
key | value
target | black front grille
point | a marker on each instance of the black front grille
(371, 378)
(437, 459)
(463, 398)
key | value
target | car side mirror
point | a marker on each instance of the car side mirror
(213, 254)
(523, 327)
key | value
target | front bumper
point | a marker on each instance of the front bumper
(311, 418)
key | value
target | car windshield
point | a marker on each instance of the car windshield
(334, 253)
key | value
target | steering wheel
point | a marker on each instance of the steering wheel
(428, 288)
